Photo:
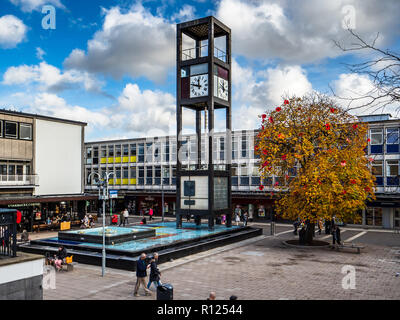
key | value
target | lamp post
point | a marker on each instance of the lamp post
(103, 183)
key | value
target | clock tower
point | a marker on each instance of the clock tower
(203, 86)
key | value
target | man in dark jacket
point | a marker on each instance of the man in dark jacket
(154, 272)
(141, 274)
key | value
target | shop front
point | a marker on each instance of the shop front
(48, 213)
(257, 209)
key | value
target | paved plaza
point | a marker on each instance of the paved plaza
(257, 269)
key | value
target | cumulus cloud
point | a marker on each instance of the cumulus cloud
(53, 105)
(50, 78)
(31, 5)
(135, 43)
(12, 31)
(256, 92)
(147, 111)
(302, 33)
(359, 95)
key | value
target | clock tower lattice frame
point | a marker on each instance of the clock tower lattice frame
(207, 97)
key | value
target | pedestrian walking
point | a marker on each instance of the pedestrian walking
(245, 218)
(336, 235)
(296, 226)
(141, 274)
(302, 236)
(126, 216)
(151, 212)
(188, 217)
(237, 219)
(121, 219)
(155, 273)
(319, 226)
(327, 227)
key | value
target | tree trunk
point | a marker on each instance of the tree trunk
(310, 229)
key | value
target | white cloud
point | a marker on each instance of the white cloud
(53, 105)
(146, 112)
(12, 31)
(186, 13)
(357, 93)
(50, 78)
(256, 93)
(135, 43)
(301, 33)
(31, 5)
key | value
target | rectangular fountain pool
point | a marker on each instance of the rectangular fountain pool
(113, 235)
(164, 233)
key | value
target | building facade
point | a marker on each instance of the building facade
(145, 170)
(41, 167)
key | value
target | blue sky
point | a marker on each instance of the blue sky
(111, 63)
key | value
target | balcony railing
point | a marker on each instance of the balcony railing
(18, 180)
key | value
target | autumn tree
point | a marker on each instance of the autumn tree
(317, 151)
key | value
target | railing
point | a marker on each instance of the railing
(191, 53)
(8, 233)
(19, 180)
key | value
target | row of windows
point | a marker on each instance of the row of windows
(14, 169)
(166, 151)
(15, 130)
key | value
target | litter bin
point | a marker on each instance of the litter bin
(165, 292)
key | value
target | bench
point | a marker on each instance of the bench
(68, 264)
(347, 246)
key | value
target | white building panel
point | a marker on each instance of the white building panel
(58, 157)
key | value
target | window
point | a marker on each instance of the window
(373, 216)
(11, 129)
(166, 152)
(149, 175)
(1, 128)
(244, 145)
(96, 155)
(103, 151)
(111, 151)
(222, 149)
(392, 172)
(125, 149)
(157, 175)
(25, 131)
(392, 140)
(157, 151)
(199, 69)
(133, 150)
(125, 173)
(133, 172)
(376, 140)
(234, 147)
(118, 150)
(392, 168)
(149, 152)
(165, 174)
(89, 155)
(141, 152)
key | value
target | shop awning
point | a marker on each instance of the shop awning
(44, 199)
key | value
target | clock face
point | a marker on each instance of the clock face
(223, 89)
(199, 86)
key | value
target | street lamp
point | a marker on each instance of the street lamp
(103, 183)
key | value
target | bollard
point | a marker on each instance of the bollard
(272, 228)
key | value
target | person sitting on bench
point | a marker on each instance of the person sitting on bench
(24, 236)
(59, 259)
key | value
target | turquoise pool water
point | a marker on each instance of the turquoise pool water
(110, 231)
(166, 233)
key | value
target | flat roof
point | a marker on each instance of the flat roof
(39, 116)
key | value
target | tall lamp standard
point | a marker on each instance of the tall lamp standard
(103, 184)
